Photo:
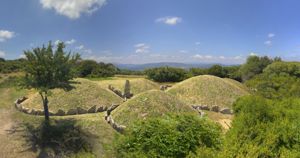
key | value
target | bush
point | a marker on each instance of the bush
(264, 128)
(171, 136)
(90, 68)
(166, 74)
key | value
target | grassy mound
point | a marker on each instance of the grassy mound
(137, 85)
(84, 94)
(152, 103)
(208, 90)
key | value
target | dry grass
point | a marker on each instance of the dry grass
(137, 84)
(152, 103)
(85, 94)
(208, 90)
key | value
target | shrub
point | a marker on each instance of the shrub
(171, 136)
(264, 128)
(166, 74)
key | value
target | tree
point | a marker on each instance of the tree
(166, 74)
(47, 69)
(217, 70)
(254, 66)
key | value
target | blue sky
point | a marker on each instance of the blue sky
(144, 31)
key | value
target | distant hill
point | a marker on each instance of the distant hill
(153, 65)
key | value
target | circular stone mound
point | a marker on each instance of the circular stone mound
(84, 94)
(152, 103)
(208, 90)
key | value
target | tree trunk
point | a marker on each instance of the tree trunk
(45, 104)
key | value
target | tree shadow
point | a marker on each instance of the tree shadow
(59, 138)
(67, 86)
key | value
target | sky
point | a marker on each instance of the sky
(147, 31)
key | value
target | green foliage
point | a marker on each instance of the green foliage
(254, 66)
(166, 74)
(278, 80)
(90, 68)
(170, 136)
(48, 69)
(264, 128)
(129, 72)
(217, 70)
(9, 66)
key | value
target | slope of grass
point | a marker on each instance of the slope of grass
(152, 103)
(137, 85)
(208, 90)
(84, 94)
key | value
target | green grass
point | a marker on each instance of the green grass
(208, 90)
(85, 94)
(137, 85)
(152, 103)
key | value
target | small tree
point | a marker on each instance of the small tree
(47, 69)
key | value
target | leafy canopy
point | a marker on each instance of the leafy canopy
(47, 68)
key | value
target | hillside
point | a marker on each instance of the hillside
(84, 94)
(208, 90)
(152, 103)
(137, 85)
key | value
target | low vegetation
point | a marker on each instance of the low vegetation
(152, 103)
(170, 136)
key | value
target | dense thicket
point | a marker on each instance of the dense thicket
(166, 74)
(9, 66)
(170, 136)
(278, 80)
(264, 128)
(90, 68)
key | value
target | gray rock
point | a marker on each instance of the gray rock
(226, 111)
(33, 112)
(204, 107)
(112, 107)
(72, 112)
(92, 109)
(215, 108)
(39, 112)
(100, 109)
(60, 112)
(81, 110)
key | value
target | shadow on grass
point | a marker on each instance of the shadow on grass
(57, 139)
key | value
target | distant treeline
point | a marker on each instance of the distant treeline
(91, 68)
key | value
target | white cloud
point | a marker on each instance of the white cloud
(183, 51)
(221, 57)
(5, 35)
(197, 43)
(253, 54)
(268, 43)
(271, 35)
(169, 20)
(80, 47)
(73, 8)
(57, 42)
(198, 56)
(141, 48)
(72, 41)
(2, 54)
(23, 56)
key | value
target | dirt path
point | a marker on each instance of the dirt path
(11, 144)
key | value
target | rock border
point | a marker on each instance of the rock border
(108, 118)
(60, 112)
(214, 108)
